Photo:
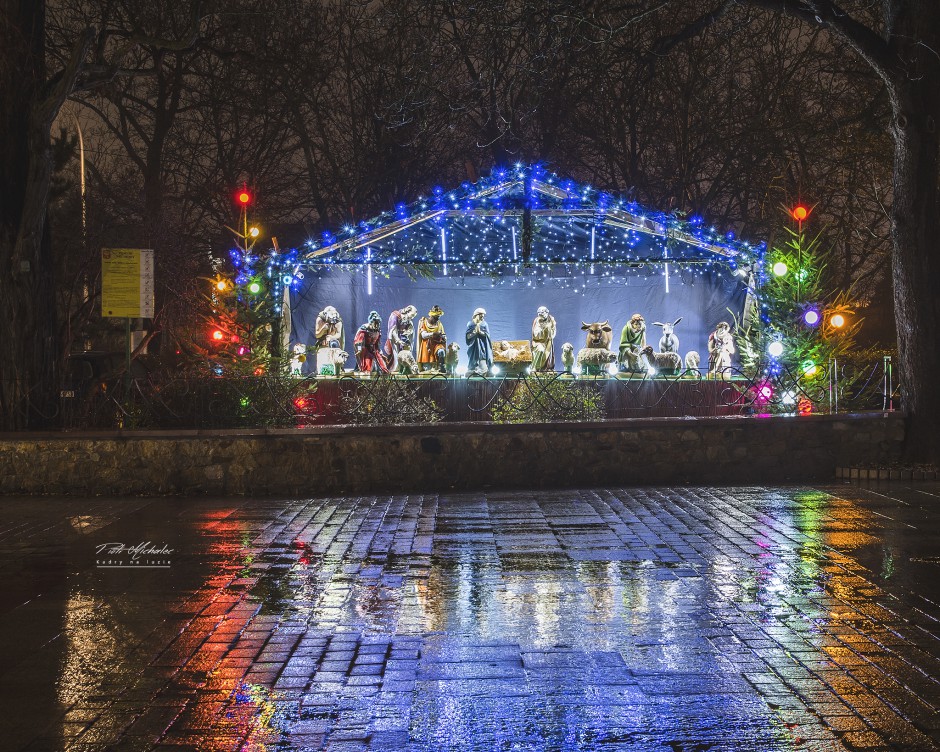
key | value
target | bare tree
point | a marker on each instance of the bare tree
(899, 41)
(32, 98)
(334, 112)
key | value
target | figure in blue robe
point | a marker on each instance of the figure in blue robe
(479, 345)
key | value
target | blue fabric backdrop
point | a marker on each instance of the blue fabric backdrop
(701, 296)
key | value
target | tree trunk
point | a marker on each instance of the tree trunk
(916, 261)
(28, 337)
(25, 338)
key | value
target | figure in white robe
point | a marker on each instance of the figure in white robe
(329, 329)
(720, 350)
(543, 341)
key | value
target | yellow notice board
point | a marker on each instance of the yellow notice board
(127, 283)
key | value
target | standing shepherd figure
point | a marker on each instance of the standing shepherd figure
(543, 341)
(720, 350)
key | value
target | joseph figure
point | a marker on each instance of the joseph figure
(543, 341)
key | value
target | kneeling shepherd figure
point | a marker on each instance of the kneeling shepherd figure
(368, 351)
(431, 341)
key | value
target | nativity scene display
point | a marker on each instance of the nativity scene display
(396, 355)
(536, 275)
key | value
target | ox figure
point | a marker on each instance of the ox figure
(595, 356)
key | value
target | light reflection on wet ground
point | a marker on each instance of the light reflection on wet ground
(680, 620)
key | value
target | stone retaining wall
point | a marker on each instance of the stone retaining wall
(350, 460)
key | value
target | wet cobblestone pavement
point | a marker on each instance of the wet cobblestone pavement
(680, 620)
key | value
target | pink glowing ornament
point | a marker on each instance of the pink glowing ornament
(764, 392)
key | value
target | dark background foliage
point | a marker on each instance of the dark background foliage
(334, 112)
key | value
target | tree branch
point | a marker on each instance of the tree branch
(103, 71)
(59, 86)
(136, 39)
(665, 44)
(872, 47)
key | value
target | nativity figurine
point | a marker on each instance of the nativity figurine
(369, 357)
(479, 344)
(543, 341)
(720, 350)
(399, 335)
(432, 342)
(632, 342)
(328, 330)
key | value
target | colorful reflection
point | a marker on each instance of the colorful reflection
(646, 619)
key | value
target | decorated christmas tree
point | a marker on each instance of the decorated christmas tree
(244, 305)
(239, 321)
(238, 373)
(801, 325)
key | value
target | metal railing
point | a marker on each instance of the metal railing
(209, 402)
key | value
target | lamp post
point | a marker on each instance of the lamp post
(86, 343)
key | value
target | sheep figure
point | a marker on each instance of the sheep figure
(634, 360)
(331, 360)
(594, 359)
(664, 362)
(450, 359)
(567, 356)
(669, 342)
(406, 363)
(692, 361)
(298, 358)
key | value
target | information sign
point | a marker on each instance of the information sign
(127, 283)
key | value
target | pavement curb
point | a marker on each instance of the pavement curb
(883, 473)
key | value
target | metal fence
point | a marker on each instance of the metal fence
(288, 402)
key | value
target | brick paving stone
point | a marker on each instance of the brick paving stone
(746, 618)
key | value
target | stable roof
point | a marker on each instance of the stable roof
(526, 214)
